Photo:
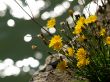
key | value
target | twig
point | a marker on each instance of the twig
(32, 18)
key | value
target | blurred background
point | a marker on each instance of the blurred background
(18, 61)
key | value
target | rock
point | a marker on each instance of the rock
(51, 74)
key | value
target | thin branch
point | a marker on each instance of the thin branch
(32, 18)
(30, 9)
(102, 2)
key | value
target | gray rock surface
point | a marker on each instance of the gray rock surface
(50, 74)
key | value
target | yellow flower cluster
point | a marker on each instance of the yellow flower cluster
(70, 51)
(51, 23)
(108, 40)
(56, 42)
(80, 23)
(82, 58)
(62, 65)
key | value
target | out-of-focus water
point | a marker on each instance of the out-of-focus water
(13, 46)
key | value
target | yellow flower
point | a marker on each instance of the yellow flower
(56, 42)
(51, 23)
(102, 32)
(83, 62)
(79, 26)
(81, 54)
(62, 65)
(81, 21)
(108, 40)
(70, 51)
(81, 38)
(82, 58)
(57, 46)
(77, 30)
(91, 19)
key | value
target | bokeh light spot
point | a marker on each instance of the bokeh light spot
(11, 23)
